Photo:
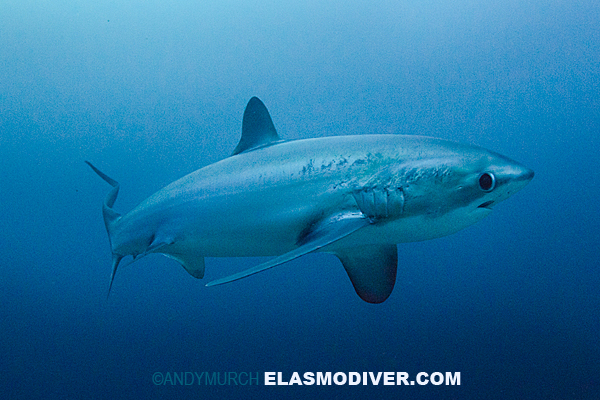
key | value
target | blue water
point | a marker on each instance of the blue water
(150, 91)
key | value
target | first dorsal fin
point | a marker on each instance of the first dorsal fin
(257, 127)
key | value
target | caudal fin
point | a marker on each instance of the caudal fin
(110, 217)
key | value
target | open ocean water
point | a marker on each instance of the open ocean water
(151, 90)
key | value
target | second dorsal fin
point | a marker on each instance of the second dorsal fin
(257, 127)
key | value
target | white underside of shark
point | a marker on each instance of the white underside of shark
(352, 196)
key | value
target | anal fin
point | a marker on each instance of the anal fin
(192, 263)
(372, 270)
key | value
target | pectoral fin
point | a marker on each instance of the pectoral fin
(322, 234)
(372, 270)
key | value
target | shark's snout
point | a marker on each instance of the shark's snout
(521, 177)
(514, 177)
(528, 175)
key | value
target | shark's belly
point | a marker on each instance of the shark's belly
(406, 229)
(252, 223)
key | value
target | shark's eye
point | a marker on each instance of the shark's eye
(487, 182)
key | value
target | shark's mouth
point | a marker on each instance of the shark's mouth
(487, 204)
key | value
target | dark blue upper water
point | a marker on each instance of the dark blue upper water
(150, 91)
